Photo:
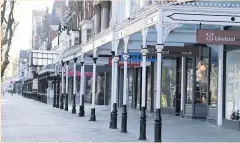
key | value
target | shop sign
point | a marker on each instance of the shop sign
(171, 51)
(180, 51)
(121, 63)
(71, 74)
(137, 57)
(218, 37)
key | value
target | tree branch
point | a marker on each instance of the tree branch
(8, 35)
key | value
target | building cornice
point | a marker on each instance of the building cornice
(142, 16)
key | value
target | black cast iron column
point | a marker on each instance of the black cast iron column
(143, 100)
(46, 90)
(66, 73)
(115, 93)
(74, 87)
(93, 115)
(112, 94)
(55, 90)
(158, 119)
(58, 91)
(124, 112)
(81, 107)
(62, 87)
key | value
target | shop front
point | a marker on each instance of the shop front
(229, 38)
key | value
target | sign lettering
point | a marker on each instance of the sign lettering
(121, 63)
(218, 37)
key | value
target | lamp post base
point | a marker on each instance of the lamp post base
(143, 124)
(110, 123)
(124, 119)
(74, 105)
(61, 104)
(66, 103)
(114, 116)
(181, 114)
(158, 127)
(93, 116)
(81, 111)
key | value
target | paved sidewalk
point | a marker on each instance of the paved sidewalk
(28, 120)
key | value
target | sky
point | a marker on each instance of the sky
(23, 14)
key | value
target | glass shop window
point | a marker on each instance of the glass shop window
(202, 81)
(232, 102)
(168, 82)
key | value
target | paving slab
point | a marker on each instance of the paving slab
(27, 120)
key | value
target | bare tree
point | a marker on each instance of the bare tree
(8, 27)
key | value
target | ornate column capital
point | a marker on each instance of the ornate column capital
(159, 48)
(82, 63)
(75, 60)
(144, 51)
(113, 53)
(116, 59)
(125, 56)
(95, 60)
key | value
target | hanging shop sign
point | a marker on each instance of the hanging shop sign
(218, 37)
(121, 63)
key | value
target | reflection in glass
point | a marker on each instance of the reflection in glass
(201, 91)
(189, 81)
(139, 87)
(232, 83)
(213, 79)
(149, 90)
(130, 86)
(168, 82)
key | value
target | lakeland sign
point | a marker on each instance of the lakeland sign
(218, 37)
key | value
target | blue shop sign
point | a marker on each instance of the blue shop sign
(137, 57)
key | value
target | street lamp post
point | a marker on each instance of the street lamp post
(82, 88)
(66, 98)
(61, 100)
(74, 87)
(55, 90)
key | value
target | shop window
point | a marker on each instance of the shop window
(232, 102)
(149, 88)
(130, 87)
(213, 79)
(202, 81)
(189, 81)
(168, 82)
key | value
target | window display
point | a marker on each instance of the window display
(213, 79)
(232, 83)
(168, 82)
(130, 87)
(201, 89)
(189, 81)
(149, 90)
